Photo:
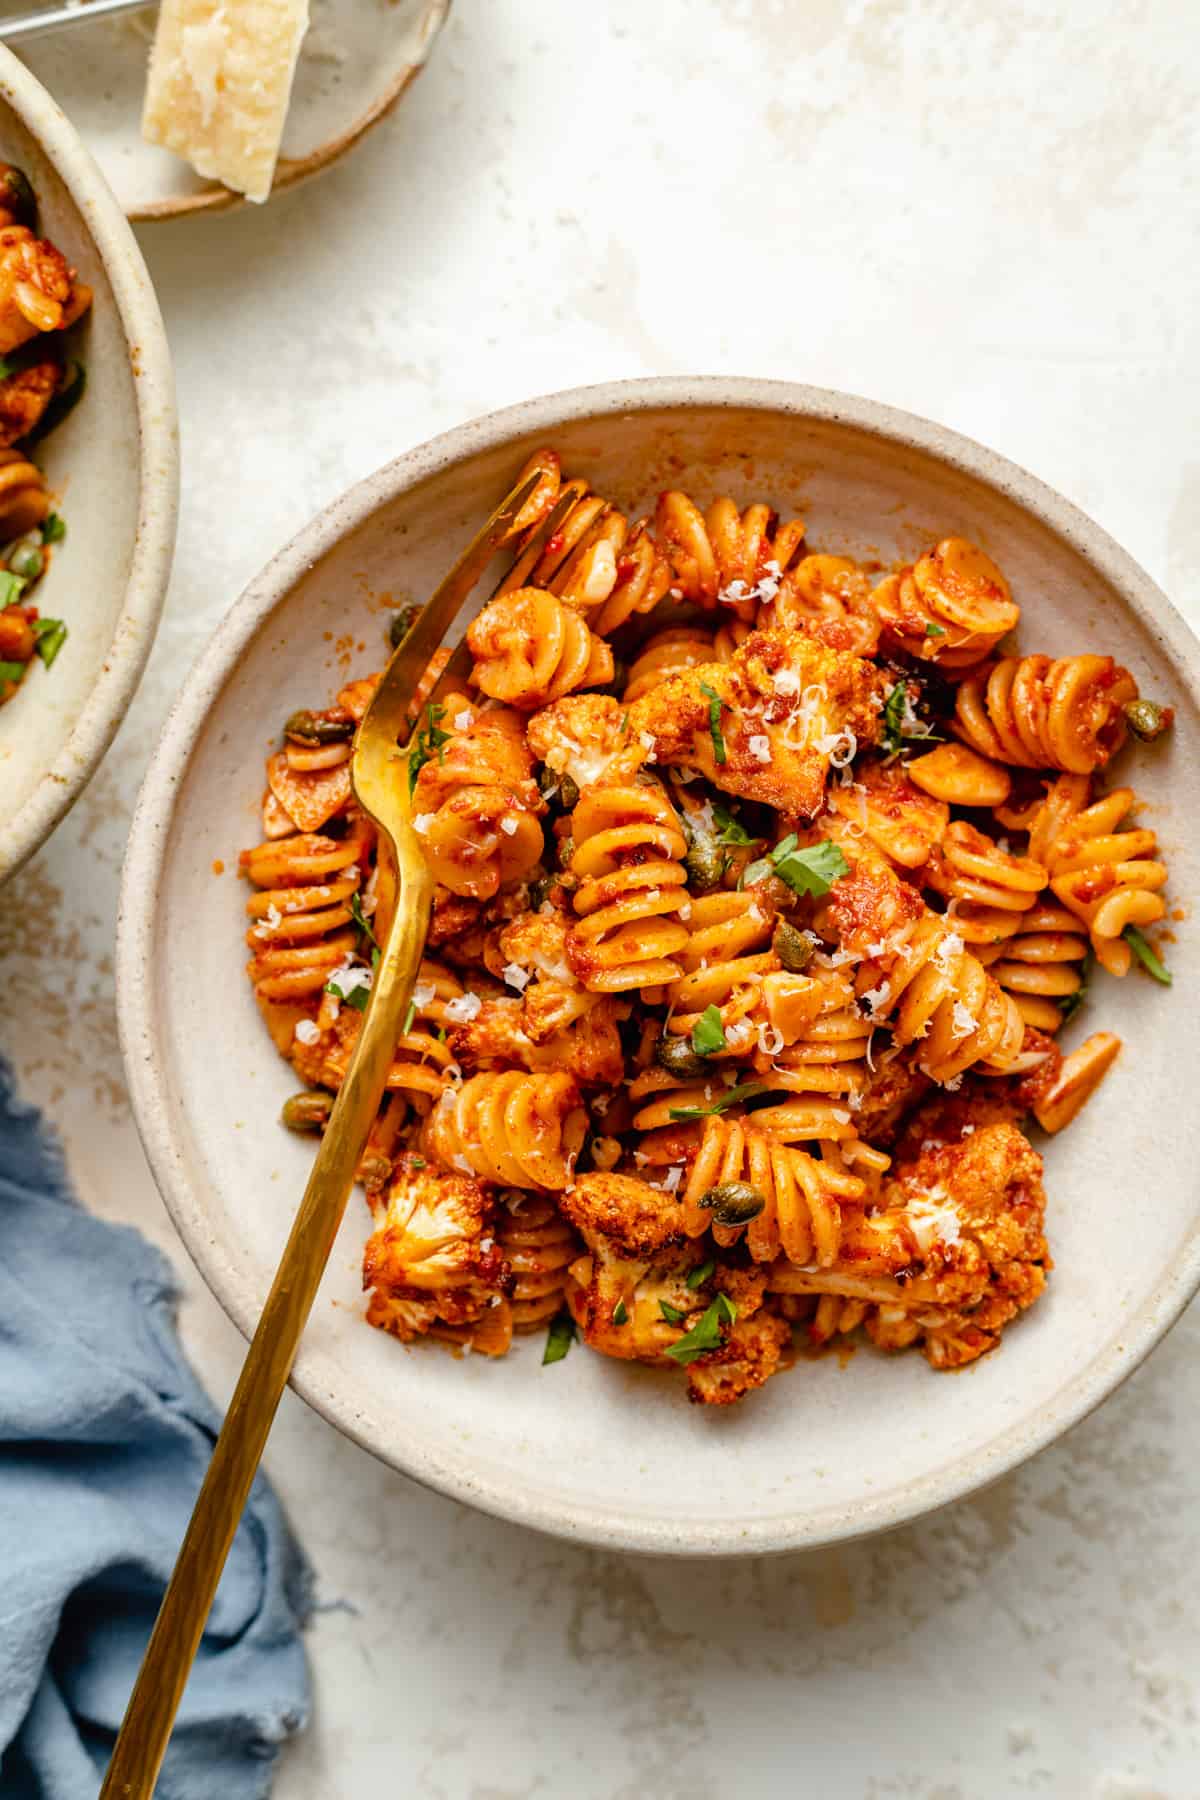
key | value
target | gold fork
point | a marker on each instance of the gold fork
(379, 774)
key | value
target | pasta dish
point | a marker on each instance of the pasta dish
(767, 881)
(40, 299)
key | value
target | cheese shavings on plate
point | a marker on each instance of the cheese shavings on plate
(219, 84)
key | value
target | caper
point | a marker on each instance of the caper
(676, 1056)
(17, 195)
(314, 729)
(374, 1170)
(307, 1111)
(26, 561)
(1146, 719)
(553, 785)
(733, 1202)
(401, 624)
(705, 860)
(793, 947)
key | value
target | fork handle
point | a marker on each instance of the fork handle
(146, 1727)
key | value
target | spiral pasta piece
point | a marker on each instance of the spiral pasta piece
(24, 499)
(725, 959)
(830, 593)
(802, 1196)
(594, 559)
(302, 926)
(539, 1246)
(1042, 713)
(969, 866)
(1108, 877)
(531, 648)
(952, 606)
(727, 555)
(667, 653)
(628, 864)
(1040, 963)
(512, 1128)
(474, 802)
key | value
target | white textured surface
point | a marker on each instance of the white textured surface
(989, 223)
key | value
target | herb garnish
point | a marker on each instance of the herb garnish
(705, 1334)
(810, 871)
(672, 1314)
(620, 1313)
(715, 704)
(559, 1338)
(364, 929)
(12, 671)
(900, 723)
(699, 1276)
(1146, 956)
(746, 1090)
(935, 630)
(10, 587)
(54, 529)
(409, 1016)
(1070, 1004)
(708, 1034)
(356, 995)
(729, 829)
(50, 636)
(426, 742)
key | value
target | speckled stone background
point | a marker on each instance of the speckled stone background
(985, 213)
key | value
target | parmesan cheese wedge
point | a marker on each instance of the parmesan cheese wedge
(219, 83)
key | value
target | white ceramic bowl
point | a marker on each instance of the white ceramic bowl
(588, 1448)
(113, 466)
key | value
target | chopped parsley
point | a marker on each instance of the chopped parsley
(699, 1276)
(351, 986)
(12, 671)
(10, 587)
(50, 635)
(54, 529)
(900, 723)
(935, 630)
(427, 741)
(559, 1338)
(364, 929)
(746, 1090)
(708, 1034)
(729, 829)
(620, 1313)
(674, 1315)
(705, 1334)
(1070, 1004)
(810, 871)
(409, 1016)
(1145, 955)
(715, 704)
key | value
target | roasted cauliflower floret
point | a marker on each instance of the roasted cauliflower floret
(961, 1232)
(618, 1301)
(749, 1356)
(635, 1219)
(432, 1251)
(785, 706)
(584, 737)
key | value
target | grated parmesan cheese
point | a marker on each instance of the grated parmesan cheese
(508, 826)
(307, 1031)
(516, 976)
(463, 1008)
(760, 747)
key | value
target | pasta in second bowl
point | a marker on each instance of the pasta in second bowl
(837, 1446)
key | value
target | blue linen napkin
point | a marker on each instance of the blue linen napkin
(104, 1437)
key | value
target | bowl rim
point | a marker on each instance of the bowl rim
(157, 467)
(155, 1110)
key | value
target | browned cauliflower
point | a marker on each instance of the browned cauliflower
(432, 1258)
(24, 397)
(38, 291)
(635, 1219)
(749, 1356)
(786, 705)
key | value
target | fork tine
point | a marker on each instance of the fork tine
(390, 716)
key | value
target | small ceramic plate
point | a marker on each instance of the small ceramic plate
(594, 1449)
(113, 470)
(359, 56)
